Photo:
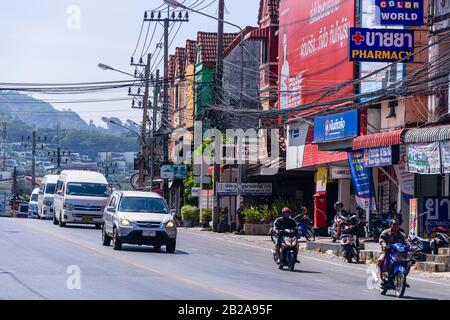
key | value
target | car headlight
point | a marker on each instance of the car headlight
(48, 203)
(68, 206)
(125, 222)
(170, 224)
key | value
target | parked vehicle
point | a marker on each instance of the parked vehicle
(33, 204)
(289, 250)
(46, 197)
(140, 218)
(80, 198)
(350, 241)
(440, 240)
(304, 224)
(398, 259)
(339, 219)
(421, 245)
(22, 211)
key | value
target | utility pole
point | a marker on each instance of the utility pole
(144, 147)
(171, 17)
(33, 161)
(153, 131)
(58, 166)
(218, 93)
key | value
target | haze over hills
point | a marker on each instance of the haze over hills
(37, 113)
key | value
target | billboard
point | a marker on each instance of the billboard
(313, 49)
(336, 126)
(400, 12)
(381, 45)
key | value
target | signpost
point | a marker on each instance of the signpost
(173, 171)
(247, 189)
(336, 126)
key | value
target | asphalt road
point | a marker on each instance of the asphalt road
(39, 261)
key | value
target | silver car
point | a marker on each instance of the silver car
(140, 218)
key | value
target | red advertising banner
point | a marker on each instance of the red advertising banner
(313, 49)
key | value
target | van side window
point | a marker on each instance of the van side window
(112, 203)
(59, 186)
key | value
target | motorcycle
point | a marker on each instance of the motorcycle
(338, 219)
(350, 243)
(421, 246)
(304, 224)
(440, 240)
(398, 259)
(289, 250)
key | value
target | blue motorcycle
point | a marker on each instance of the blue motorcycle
(399, 259)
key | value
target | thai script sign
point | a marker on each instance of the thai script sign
(378, 157)
(247, 189)
(336, 126)
(436, 213)
(381, 45)
(362, 181)
(424, 158)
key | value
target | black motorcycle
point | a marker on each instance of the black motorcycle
(339, 218)
(350, 240)
(289, 250)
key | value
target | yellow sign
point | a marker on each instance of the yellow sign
(321, 181)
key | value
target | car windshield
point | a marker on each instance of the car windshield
(50, 188)
(34, 197)
(87, 189)
(143, 204)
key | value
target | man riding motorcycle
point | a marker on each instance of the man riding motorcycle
(391, 236)
(339, 207)
(280, 224)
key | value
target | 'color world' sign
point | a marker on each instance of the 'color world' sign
(400, 12)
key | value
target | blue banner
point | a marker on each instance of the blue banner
(336, 126)
(400, 12)
(378, 157)
(362, 181)
(436, 213)
(381, 45)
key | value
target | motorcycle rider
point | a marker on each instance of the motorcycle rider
(339, 207)
(391, 236)
(280, 224)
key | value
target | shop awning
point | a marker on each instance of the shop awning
(380, 139)
(427, 135)
(257, 34)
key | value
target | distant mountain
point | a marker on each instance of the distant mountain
(37, 113)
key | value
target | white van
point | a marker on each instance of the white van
(46, 197)
(33, 204)
(80, 198)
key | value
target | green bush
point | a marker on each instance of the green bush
(252, 215)
(190, 213)
(206, 215)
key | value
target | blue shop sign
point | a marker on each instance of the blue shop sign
(381, 45)
(400, 12)
(378, 157)
(336, 126)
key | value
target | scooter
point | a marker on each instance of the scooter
(289, 250)
(440, 240)
(304, 224)
(350, 243)
(399, 260)
(338, 219)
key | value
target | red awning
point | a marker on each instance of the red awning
(257, 34)
(378, 139)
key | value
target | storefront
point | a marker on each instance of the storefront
(428, 158)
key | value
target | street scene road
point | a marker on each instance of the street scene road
(39, 261)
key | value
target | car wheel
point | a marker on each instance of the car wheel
(170, 247)
(55, 222)
(106, 240)
(157, 248)
(98, 226)
(61, 223)
(116, 242)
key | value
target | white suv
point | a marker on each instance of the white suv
(140, 218)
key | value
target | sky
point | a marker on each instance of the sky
(60, 41)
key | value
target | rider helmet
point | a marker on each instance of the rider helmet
(286, 212)
(338, 206)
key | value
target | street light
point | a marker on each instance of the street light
(175, 4)
(108, 120)
(106, 67)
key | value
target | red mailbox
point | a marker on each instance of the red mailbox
(320, 211)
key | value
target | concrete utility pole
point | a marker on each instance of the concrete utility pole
(33, 161)
(165, 110)
(144, 148)
(218, 94)
(153, 131)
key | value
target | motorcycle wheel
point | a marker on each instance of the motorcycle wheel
(333, 239)
(383, 290)
(399, 284)
(291, 261)
(309, 235)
